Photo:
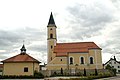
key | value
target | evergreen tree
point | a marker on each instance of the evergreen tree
(96, 73)
(84, 72)
(61, 71)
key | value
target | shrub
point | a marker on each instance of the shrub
(38, 75)
(111, 69)
(78, 74)
(16, 77)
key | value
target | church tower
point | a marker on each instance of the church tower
(51, 38)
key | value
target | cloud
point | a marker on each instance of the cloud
(9, 38)
(95, 21)
(91, 20)
(113, 39)
(116, 3)
(87, 20)
(38, 47)
(12, 40)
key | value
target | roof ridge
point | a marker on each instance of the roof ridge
(10, 58)
(75, 47)
(32, 58)
(16, 56)
(75, 42)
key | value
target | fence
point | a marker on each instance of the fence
(76, 72)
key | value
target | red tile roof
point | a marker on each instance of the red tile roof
(61, 54)
(21, 58)
(61, 49)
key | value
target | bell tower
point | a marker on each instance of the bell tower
(51, 38)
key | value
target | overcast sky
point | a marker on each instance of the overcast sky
(76, 20)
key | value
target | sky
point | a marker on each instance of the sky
(76, 20)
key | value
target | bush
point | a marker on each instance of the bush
(78, 74)
(38, 75)
(114, 71)
(91, 77)
(111, 69)
(16, 77)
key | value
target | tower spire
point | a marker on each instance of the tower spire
(51, 20)
(52, 37)
(23, 50)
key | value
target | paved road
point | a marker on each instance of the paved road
(21, 79)
(111, 78)
(56, 78)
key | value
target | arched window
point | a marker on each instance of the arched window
(71, 60)
(91, 60)
(51, 35)
(81, 60)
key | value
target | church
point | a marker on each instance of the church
(72, 55)
(20, 65)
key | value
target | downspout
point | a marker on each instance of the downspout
(88, 62)
(68, 61)
(3, 69)
(33, 68)
(96, 59)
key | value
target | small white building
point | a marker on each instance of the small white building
(113, 63)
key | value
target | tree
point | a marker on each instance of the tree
(84, 72)
(96, 73)
(61, 71)
(38, 74)
(111, 69)
(108, 67)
